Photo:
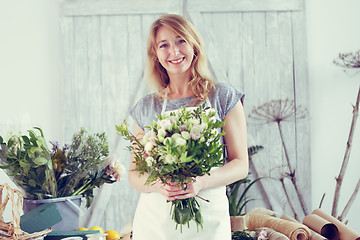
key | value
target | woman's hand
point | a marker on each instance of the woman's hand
(172, 191)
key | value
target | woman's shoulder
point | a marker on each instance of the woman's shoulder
(226, 91)
(225, 98)
(145, 109)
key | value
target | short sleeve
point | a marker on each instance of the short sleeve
(226, 97)
(145, 111)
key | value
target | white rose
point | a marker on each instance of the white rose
(148, 146)
(212, 112)
(149, 161)
(194, 121)
(169, 159)
(185, 135)
(195, 132)
(161, 134)
(180, 142)
(165, 123)
(204, 126)
(176, 136)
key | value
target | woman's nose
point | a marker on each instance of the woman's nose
(175, 50)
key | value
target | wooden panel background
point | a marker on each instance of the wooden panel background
(259, 47)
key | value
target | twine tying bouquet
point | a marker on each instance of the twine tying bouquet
(178, 147)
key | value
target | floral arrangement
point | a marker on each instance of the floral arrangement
(249, 235)
(75, 169)
(178, 147)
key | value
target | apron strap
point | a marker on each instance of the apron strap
(165, 101)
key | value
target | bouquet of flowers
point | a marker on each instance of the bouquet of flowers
(75, 169)
(178, 147)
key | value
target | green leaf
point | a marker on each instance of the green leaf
(41, 132)
(32, 182)
(40, 161)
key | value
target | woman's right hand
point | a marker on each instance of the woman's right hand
(172, 191)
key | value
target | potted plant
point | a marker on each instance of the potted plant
(237, 202)
(59, 175)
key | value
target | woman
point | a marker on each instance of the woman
(177, 67)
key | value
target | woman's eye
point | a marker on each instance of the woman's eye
(181, 41)
(163, 45)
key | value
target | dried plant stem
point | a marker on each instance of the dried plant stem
(346, 157)
(292, 172)
(288, 199)
(350, 202)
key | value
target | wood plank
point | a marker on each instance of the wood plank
(301, 83)
(244, 5)
(94, 81)
(119, 7)
(209, 38)
(80, 73)
(67, 76)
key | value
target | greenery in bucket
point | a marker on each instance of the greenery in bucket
(75, 169)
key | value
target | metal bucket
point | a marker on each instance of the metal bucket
(68, 207)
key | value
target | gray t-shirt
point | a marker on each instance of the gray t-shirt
(222, 100)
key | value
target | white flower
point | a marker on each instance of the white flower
(182, 127)
(165, 123)
(169, 159)
(176, 136)
(185, 135)
(262, 237)
(195, 132)
(194, 121)
(115, 168)
(204, 126)
(161, 134)
(212, 112)
(149, 161)
(180, 142)
(148, 146)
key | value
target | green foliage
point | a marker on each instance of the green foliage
(73, 170)
(27, 159)
(237, 203)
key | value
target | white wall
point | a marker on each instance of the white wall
(30, 84)
(333, 28)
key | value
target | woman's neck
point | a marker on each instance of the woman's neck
(179, 87)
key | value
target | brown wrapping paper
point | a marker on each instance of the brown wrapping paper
(293, 230)
(314, 235)
(345, 233)
(322, 226)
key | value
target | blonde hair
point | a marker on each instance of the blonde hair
(201, 82)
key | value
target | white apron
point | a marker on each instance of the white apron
(152, 220)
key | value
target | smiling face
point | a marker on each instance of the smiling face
(174, 53)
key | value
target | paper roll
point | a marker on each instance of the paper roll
(293, 230)
(322, 226)
(345, 232)
(314, 235)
